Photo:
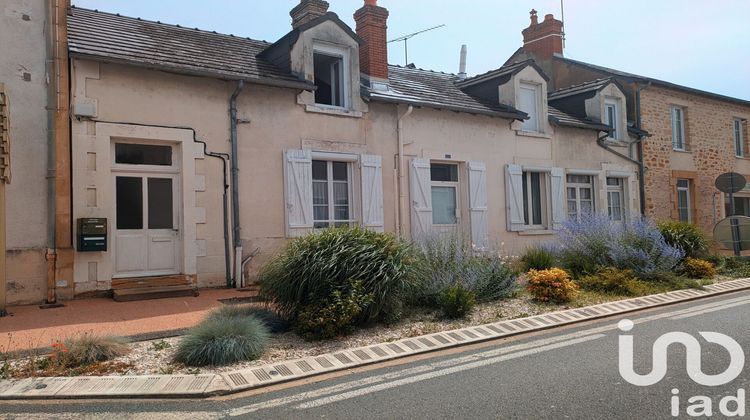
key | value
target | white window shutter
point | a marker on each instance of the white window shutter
(372, 192)
(421, 198)
(559, 211)
(478, 204)
(514, 197)
(298, 192)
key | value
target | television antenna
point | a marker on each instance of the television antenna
(405, 39)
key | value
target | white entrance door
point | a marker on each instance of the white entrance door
(147, 240)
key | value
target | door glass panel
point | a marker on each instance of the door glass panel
(160, 203)
(444, 206)
(129, 202)
(143, 154)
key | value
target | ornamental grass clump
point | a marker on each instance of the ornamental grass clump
(553, 285)
(275, 323)
(685, 236)
(540, 257)
(88, 349)
(311, 268)
(592, 241)
(220, 341)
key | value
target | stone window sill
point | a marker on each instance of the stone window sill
(682, 151)
(540, 232)
(533, 134)
(335, 111)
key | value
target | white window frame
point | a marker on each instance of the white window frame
(343, 54)
(450, 184)
(739, 137)
(619, 189)
(684, 190)
(545, 204)
(614, 105)
(677, 116)
(538, 106)
(332, 221)
(578, 187)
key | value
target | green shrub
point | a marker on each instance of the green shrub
(334, 316)
(553, 285)
(615, 281)
(219, 341)
(448, 260)
(456, 302)
(538, 258)
(695, 268)
(88, 349)
(275, 323)
(737, 267)
(685, 236)
(311, 268)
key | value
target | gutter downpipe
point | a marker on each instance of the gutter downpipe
(642, 164)
(400, 196)
(236, 230)
(51, 159)
(600, 142)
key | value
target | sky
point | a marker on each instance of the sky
(697, 43)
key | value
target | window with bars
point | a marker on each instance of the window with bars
(580, 195)
(616, 199)
(332, 194)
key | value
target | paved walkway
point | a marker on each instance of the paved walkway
(29, 327)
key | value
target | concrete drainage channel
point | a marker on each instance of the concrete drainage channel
(196, 386)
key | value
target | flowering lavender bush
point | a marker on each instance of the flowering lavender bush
(593, 241)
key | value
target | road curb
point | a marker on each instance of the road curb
(200, 386)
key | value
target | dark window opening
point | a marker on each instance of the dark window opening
(329, 80)
(129, 202)
(143, 154)
(443, 172)
(160, 205)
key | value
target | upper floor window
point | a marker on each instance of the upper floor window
(739, 138)
(331, 76)
(528, 101)
(611, 115)
(678, 128)
(535, 199)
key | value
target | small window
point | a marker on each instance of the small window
(611, 116)
(444, 179)
(528, 102)
(129, 199)
(616, 199)
(683, 200)
(329, 79)
(143, 154)
(332, 194)
(580, 195)
(739, 138)
(678, 128)
(741, 206)
(535, 199)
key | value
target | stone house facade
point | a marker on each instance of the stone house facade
(693, 136)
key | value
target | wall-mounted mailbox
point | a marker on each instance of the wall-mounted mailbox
(92, 235)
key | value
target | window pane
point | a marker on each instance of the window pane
(571, 193)
(143, 154)
(341, 193)
(328, 79)
(587, 207)
(341, 213)
(585, 193)
(615, 182)
(536, 198)
(320, 192)
(528, 104)
(572, 208)
(525, 198)
(443, 172)
(340, 171)
(129, 202)
(160, 206)
(320, 170)
(683, 183)
(320, 212)
(444, 205)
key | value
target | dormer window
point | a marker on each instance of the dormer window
(611, 116)
(529, 98)
(331, 76)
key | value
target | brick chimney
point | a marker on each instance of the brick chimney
(372, 26)
(543, 39)
(307, 10)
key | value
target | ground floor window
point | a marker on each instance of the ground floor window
(616, 199)
(444, 188)
(332, 193)
(580, 195)
(683, 200)
(535, 199)
(741, 206)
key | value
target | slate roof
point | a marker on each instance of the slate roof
(592, 86)
(559, 117)
(506, 70)
(437, 90)
(115, 38)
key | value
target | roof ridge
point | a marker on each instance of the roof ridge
(173, 25)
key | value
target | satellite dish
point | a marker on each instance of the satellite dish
(733, 230)
(731, 182)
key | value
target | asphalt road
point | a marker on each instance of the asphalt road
(563, 373)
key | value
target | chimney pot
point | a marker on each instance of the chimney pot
(548, 16)
(534, 18)
(372, 27)
(308, 10)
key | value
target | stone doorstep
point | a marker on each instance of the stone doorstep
(196, 386)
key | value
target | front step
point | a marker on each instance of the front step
(148, 293)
